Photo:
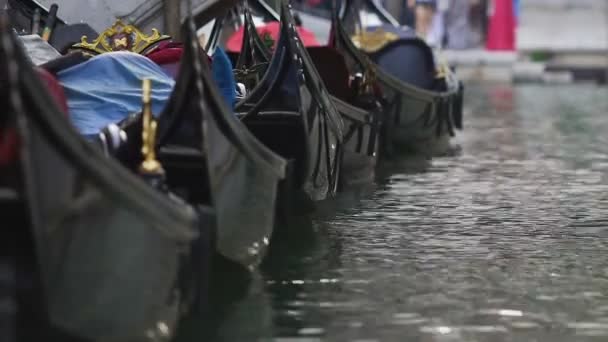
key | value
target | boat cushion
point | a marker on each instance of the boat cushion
(107, 88)
(169, 54)
(9, 145)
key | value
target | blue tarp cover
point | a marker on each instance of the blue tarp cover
(107, 88)
(224, 77)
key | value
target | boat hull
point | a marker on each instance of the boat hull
(291, 113)
(414, 125)
(361, 143)
(245, 194)
(109, 247)
(215, 159)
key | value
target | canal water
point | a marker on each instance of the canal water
(506, 241)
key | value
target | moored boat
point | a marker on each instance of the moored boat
(205, 135)
(110, 248)
(291, 112)
(356, 105)
(422, 101)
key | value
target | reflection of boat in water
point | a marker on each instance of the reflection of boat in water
(423, 102)
(110, 247)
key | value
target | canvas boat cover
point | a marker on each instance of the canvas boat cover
(37, 49)
(390, 46)
(107, 88)
(224, 77)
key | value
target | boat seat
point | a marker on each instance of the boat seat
(333, 70)
(183, 155)
(409, 60)
(168, 55)
(64, 62)
(186, 169)
(9, 145)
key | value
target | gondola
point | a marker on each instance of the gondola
(111, 249)
(244, 174)
(423, 103)
(291, 112)
(357, 107)
(211, 158)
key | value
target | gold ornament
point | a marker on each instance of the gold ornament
(150, 165)
(121, 37)
(373, 41)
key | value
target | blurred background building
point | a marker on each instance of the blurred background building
(541, 40)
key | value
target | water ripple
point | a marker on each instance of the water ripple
(505, 242)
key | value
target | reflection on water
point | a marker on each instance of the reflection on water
(505, 242)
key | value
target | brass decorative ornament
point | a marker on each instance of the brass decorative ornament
(150, 164)
(443, 68)
(121, 37)
(373, 41)
(442, 71)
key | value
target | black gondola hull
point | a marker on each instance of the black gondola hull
(291, 113)
(361, 144)
(416, 125)
(215, 159)
(109, 247)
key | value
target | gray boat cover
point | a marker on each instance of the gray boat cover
(37, 49)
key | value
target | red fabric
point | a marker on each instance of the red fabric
(235, 42)
(167, 53)
(9, 144)
(54, 88)
(168, 56)
(501, 33)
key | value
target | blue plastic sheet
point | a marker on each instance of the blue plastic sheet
(107, 88)
(224, 77)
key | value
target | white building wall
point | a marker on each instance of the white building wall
(563, 25)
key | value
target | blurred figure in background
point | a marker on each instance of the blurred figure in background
(457, 24)
(425, 11)
(408, 17)
(478, 22)
(436, 36)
